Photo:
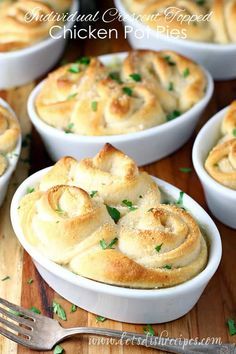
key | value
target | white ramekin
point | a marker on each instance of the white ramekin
(144, 147)
(13, 158)
(217, 58)
(220, 199)
(22, 66)
(118, 303)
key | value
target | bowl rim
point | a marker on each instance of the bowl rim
(75, 6)
(38, 122)
(207, 46)
(198, 161)
(199, 280)
(16, 152)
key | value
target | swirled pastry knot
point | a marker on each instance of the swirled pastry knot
(221, 163)
(64, 221)
(111, 175)
(158, 248)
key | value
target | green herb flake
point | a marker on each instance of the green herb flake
(58, 350)
(129, 205)
(74, 69)
(234, 132)
(30, 281)
(93, 193)
(167, 266)
(151, 209)
(35, 310)
(169, 61)
(59, 210)
(100, 319)
(136, 77)
(16, 313)
(94, 106)
(181, 197)
(106, 246)
(200, 2)
(83, 60)
(114, 213)
(171, 86)
(30, 190)
(158, 247)
(231, 327)
(6, 278)
(185, 169)
(72, 96)
(186, 72)
(115, 76)
(69, 128)
(128, 91)
(148, 330)
(173, 115)
(73, 308)
(59, 311)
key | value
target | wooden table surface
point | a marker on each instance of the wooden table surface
(216, 305)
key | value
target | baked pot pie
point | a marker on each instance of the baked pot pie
(9, 136)
(214, 19)
(23, 24)
(127, 237)
(221, 161)
(146, 89)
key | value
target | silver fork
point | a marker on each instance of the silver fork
(42, 333)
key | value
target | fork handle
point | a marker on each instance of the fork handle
(170, 345)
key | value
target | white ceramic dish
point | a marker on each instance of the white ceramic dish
(144, 147)
(210, 55)
(118, 303)
(13, 158)
(22, 66)
(220, 199)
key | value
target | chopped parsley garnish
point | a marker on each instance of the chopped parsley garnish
(158, 247)
(74, 69)
(30, 190)
(167, 266)
(69, 128)
(185, 169)
(93, 193)
(171, 86)
(58, 350)
(181, 197)
(115, 76)
(136, 77)
(83, 60)
(73, 308)
(110, 245)
(200, 2)
(234, 132)
(6, 278)
(100, 319)
(35, 310)
(232, 327)
(129, 205)
(94, 106)
(30, 281)
(149, 330)
(59, 210)
(151, 209)
(59, 311)
(173, 115)
(186, 72)
(73, 95)
(169, 61)
(114, 213)
(16, 313)
(128, 91)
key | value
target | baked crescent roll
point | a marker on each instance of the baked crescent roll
(228, 126)
(16, 32)
(221, 163)
(9, 131)
(111, 175)
(224, 20)
(158, 248)
(88, 98)
(3, 164)
(64, 221)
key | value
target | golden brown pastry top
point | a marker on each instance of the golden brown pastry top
(228, 126)
(9, 135)
(16, 32)
(147, 89)
(165, 14)
(126, 238)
